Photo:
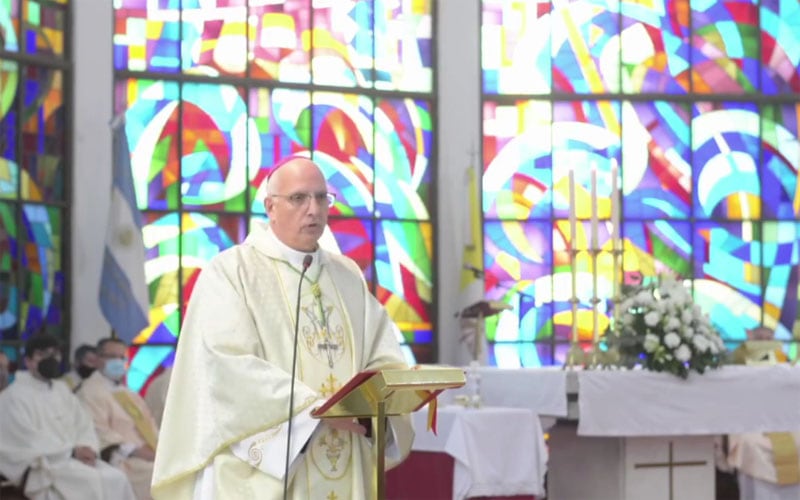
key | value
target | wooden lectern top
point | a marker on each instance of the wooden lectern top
(484, 309)
(402, 391)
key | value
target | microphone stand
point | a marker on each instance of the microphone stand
(306, 264)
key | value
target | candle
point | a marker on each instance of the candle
(594, 210)
(595, 250)
(573, 230)
(573, 252)
(616, 240)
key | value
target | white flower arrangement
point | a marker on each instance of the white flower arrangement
(661, 328)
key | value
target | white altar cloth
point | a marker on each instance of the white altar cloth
(731, 400)
(497, 451)
(543, 390)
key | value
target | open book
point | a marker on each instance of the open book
(402, 390)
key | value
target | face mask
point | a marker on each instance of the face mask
(84, 371)
(49, 368)
(114, 369)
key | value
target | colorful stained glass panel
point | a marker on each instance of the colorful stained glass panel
(278, 37)
(584, 46)
(9, 259)
(403, 141)
(515, 50)
(214, 37)
(43, 28)
(780, 46)
(656, 162)
(147, 35)
(726, 145)
(146, 363)
(353, 238)
(214, 147)
(161, 234)
(728, 283)
(403, 45)
(279, 126)
(341, 50)
(404, 271)
(343, 136)
(203, 236)
(655, 46)
(517, 155)
(9, 131)
(43, 134)
(9, 25)
(41, 284)
(781, 260)
(151, 110)
(780, 189)
(725, 56)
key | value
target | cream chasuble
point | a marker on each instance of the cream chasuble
(224, 427)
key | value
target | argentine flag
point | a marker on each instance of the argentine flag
(124, 300)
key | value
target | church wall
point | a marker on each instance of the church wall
(91, 155)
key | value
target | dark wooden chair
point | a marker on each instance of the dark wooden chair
(10, 492)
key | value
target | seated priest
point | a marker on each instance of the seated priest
(767, 462)
(127, 430)
(48, 447)
(84, 363)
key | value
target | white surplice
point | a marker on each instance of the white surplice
(40, 424)
(223, 429)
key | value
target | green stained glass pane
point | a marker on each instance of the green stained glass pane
(9, 25)
(9, 259)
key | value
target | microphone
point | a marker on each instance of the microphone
(306, 264)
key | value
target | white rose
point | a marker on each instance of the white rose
(683, 353)
(672, 324)
(650, 342)
(701, 343)
(672, 340)
(652, 318)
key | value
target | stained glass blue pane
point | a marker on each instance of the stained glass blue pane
(726, 148)
(727, 283)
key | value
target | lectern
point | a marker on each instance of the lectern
(378, 394)
(479, 311)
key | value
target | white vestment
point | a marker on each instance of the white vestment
(157, 394)
(40, 425)
(227, 406)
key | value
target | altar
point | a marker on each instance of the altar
(632, 434)
(488, 452)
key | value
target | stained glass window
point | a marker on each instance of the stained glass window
(215, 93)
(34, 165)
(696, 104)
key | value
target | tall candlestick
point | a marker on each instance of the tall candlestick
(594, 250)
(593, 227)
(573, 253)
(615, 227)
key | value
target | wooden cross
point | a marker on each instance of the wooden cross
(671, 464)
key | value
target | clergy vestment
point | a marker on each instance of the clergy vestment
(121, 417)
(224, 425)
(41, 423)
(157, 394)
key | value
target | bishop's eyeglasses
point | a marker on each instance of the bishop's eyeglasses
(299, 200)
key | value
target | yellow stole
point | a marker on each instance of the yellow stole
(143, 425)
(784, 455)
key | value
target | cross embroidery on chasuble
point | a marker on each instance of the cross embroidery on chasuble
(323, 340)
